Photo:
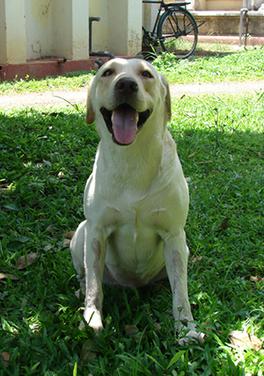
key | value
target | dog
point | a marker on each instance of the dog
(136, 199)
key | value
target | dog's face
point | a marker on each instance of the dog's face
(123, 96)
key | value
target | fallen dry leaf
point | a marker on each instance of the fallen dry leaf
(66, 243)
(244, 340)
(27, 260)
(5, 357)
(157, 326)
(88, 352)
(4, 276)
(131, 330)
(51, 229)
(48, 247)
(196, 258)
(3, 186)
(67, 238)
(192, 154)
(224, 225)
(69, 235)
(256, 279)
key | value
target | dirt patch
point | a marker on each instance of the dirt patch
(62, 98)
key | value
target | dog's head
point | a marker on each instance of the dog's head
(124, 96)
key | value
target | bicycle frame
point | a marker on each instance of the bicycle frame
(155, 41)
(163, 6)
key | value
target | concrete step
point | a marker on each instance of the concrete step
(230, 39)
(227, 22)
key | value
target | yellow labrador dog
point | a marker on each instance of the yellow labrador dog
(136, 199)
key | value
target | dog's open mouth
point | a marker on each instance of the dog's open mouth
(124, 122)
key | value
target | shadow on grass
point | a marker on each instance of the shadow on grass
(46, 158)
(207, 53)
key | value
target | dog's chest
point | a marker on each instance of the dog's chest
(113, 209)
(134, 249)
(138, 215)
(134, 242)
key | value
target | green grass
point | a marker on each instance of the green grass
(46, 156)
(226, 65)
(70, 81)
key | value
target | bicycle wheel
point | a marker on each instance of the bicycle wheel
(178, 32)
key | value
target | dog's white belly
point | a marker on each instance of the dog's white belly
(134, 255)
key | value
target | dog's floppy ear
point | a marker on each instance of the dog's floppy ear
(167, 98)
(90, 115)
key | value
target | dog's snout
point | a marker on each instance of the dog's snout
(126, 86)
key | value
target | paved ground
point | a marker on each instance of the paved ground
(61, 98)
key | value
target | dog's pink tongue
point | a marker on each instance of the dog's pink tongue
(124, 122)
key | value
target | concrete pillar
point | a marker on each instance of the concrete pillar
(80, 29)
(150, 13)
(3, 51)
(125, 26)
(71, 29)
(12, 32)
(39, 28)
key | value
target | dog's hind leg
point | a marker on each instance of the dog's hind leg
(77, 253)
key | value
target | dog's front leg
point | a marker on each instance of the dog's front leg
(94, 258)
(176, 258)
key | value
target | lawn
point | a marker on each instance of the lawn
(226, 64)
(46, 156)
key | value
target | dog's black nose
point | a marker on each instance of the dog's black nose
(126, 86)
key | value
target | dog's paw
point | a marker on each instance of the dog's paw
(192, 336)
(93, 318)
(188, 333)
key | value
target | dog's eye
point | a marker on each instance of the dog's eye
(108, 73)
(146, 74)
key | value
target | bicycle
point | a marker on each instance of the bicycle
(175, 30)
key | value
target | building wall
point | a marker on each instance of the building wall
(224, 4)
(12, 20)
(216, 4)
(56, 28)
(149, 15)
(39, 28)
(99, 8)
(134, 29)
(120, 28)
(62, 29)
(3, 51)
(80, 27)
